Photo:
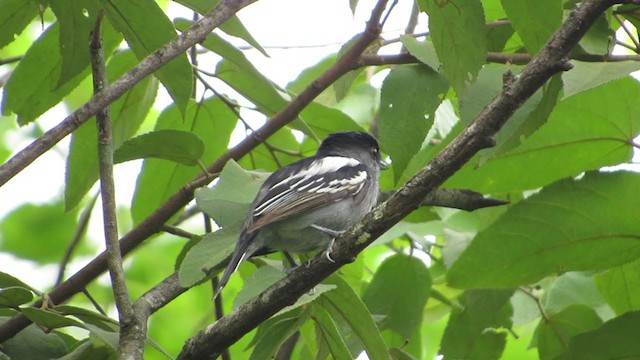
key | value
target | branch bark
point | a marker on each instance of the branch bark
(207, 344)
(195, 34)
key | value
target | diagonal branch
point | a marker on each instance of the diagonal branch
(195, 34)
(552, 59)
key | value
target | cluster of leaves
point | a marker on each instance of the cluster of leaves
(559, 265)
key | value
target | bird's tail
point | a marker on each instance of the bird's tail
(241, 252)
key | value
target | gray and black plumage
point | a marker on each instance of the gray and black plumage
(303, 206)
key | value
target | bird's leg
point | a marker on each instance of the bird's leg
(291, 261)
(333, 233)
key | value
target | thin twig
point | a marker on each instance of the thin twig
(630, 33)
(177, 231)
(107, 191)
(81, 230)
(10, 60)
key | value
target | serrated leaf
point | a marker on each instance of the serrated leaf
(620, 286)
(146, 27)
(584, 132)
(14, 296)
(615, 339)
(422, 50)
(183, 147)
(127, 114)
(213, 249)
(327, 330)
(75, 30)
(399, 291)
(211, 120)
(15, 15)
(344, 303)
(534, 20)
(586, 224)
(28, 92)
(473, 328)
(409, 98)
(50, 319)
(553, 334)
(586, 75)
(457, 29)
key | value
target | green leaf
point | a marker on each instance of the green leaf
(259, 281)
(409, 98)
(473, 330)
(252, 85)
(586, 224)
(615, 339)
(30, 90)
(213, 249)
(34, 344)
(399, 291)
(22, 232)
(211, 120)
(620, 286)
(278, 333)
(90, 317)
(14, 296)
(228, 201)
(534, 20)
(422, 50)
(521, 127)
(15, 15)
(50, 319)
(232, 26)
(564, 147)
(7, 280)
(458, 33)
(127, 114)
(323, 120)
(180, 146)
(553, 334)
(75, 31)
(327, 330)
(343, 302)
(572, 288)
(587, 75)
(146, 28)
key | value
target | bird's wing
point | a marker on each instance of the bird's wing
(321, 182)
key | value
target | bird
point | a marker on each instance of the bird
(304, 206)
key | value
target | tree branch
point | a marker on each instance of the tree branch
(127, 349)
(552, 59)
(462, 199)
(177, 201)
(195, 34)
(492, 57)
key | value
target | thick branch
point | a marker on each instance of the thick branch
(195, 34)
(478, 135)
(177, 201)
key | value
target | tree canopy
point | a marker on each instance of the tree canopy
(508, 224)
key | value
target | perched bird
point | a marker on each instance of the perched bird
(304, 206)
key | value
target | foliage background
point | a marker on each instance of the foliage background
(542, 277)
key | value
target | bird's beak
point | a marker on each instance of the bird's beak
(383, 165)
